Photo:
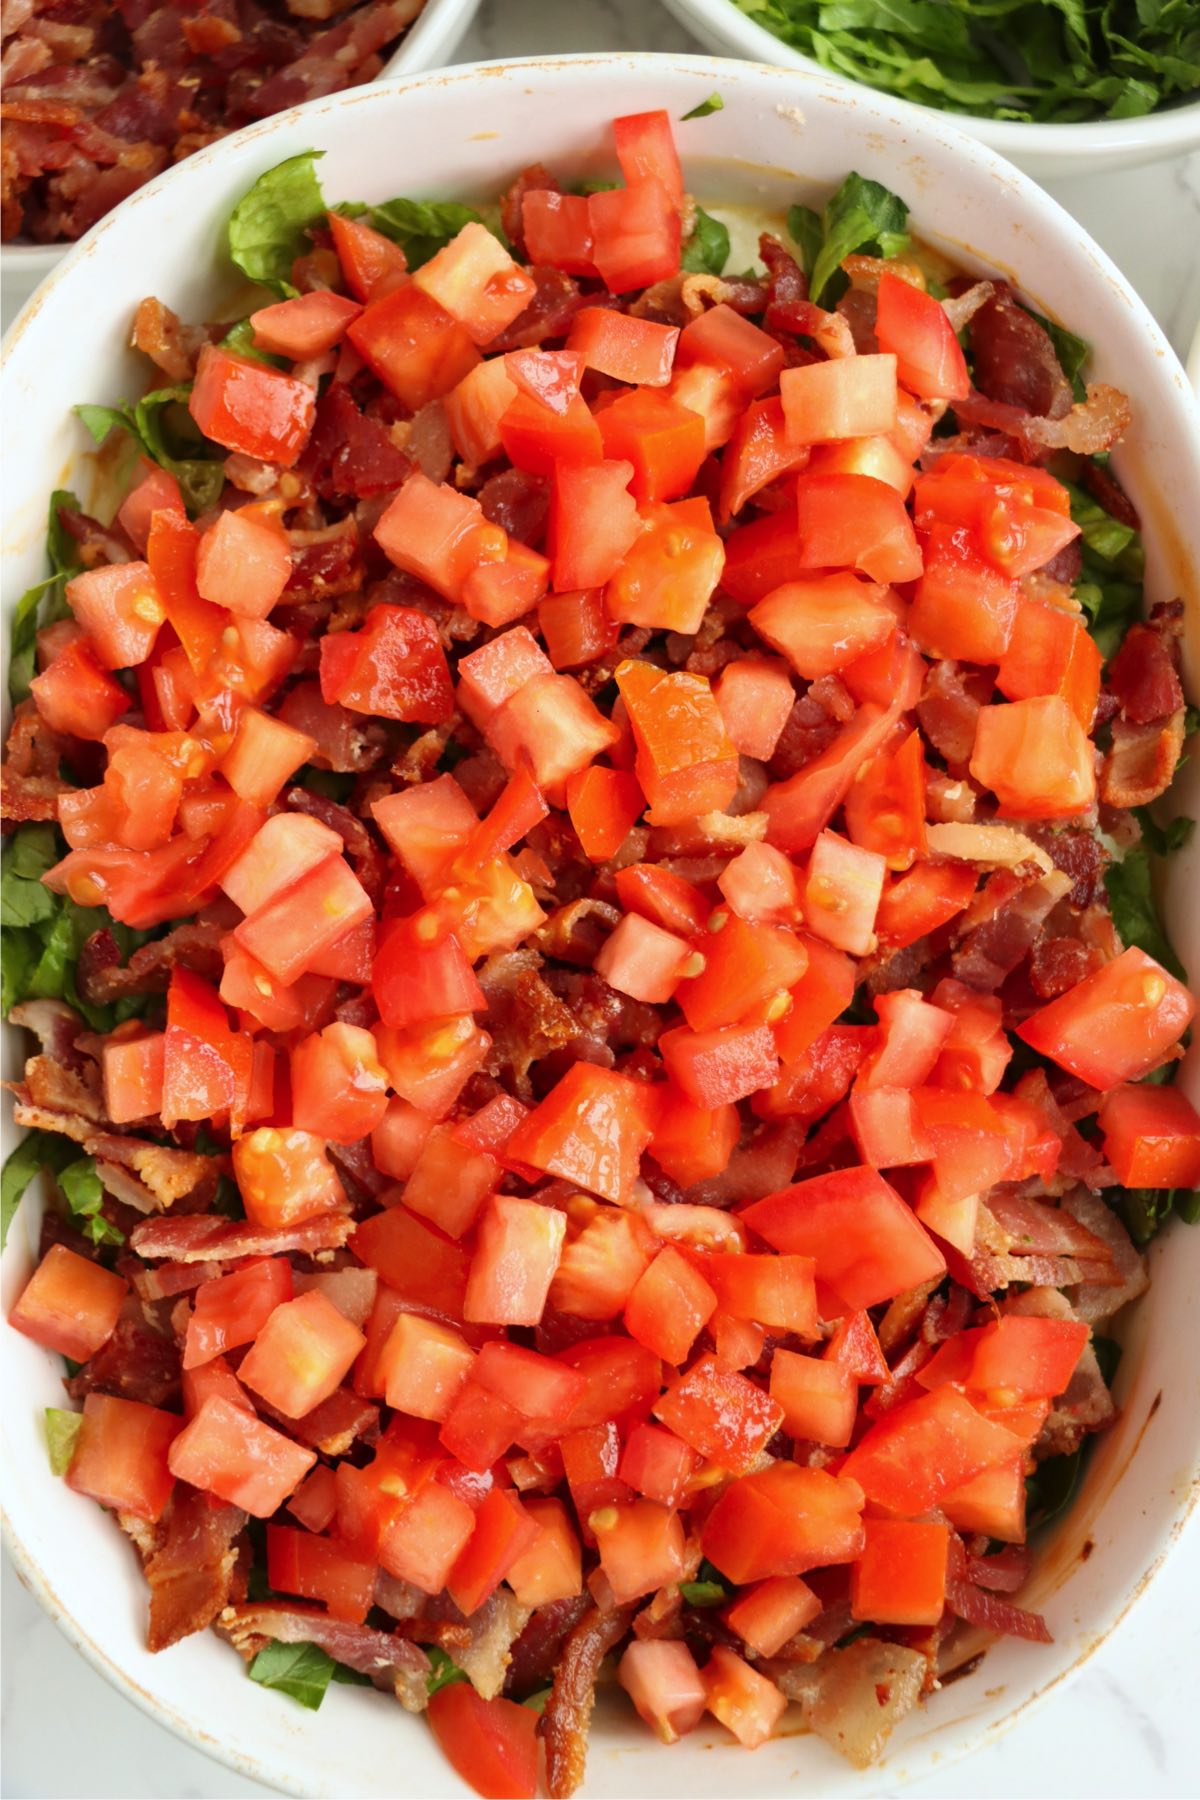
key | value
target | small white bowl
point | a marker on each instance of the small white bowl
(1046, 151)
(439, 28)
(466, 132)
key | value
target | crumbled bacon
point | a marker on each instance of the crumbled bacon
(1144, 674)
(349, 454)
(568, 1712)
(536, 1651)
(171, 345)
(102, 979)
(981, 1607)
(202, 1238)
(191, 1569)
(1015, 360)
(137, 1363)
(556, 301)
(1142, 760)
(391, 1661)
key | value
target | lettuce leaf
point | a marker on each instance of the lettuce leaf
(62, 1428)
(269, 226)
(45, 602)
(36, 1151)
(1135, 911)
(707, 250)
(163, 429)
(861, 216)
(420, 227)
(302, 1671)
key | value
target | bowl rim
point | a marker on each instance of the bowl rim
(1171, 130)
(946, 136)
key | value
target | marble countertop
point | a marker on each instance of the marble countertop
(1129, 1723)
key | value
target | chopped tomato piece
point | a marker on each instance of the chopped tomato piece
(1116, 1024)
(76, 696)
(799, 808)
(1152, 1136)
(551, 1568)
(371, 263)
(900, 1578)
(227, 1451)
(842, 893)
(593, 523)
(915, 328)
(854, 522)
(744, 1701)
(642, 960)
(306, 326)
(1051, 653)
(635, 235)
(669, 1306)
(232, 1309)
(413, 345)
(133, 1076)
(503, 1532)
(766, 1615)
(661, 1678)
(492, 1744)
(851, 397)
(591, 1129)
(393, 667)
(720, 1414)
(300, 1563)
(819, 1399)
(120, 1456)
(825, 623)
(637, 351)
(423, 1366)
(120, 609)
(248, 406)
(517, 1250)
(1036, 758)
(685, 763)
(641, 1547)
(746, 967)
(301, 1354)
(717, 1068)
(785, 1520)
(661, 439)
(475, 280)
(285, 1177)
(670, 571)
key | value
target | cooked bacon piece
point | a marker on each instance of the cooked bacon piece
(1092, 425)
(95, 543)
(350, 454)
(1103, 486)
(57, 1028)
(162, 335)
(335, 59)
(402, 1599)
(960, 308)
(992, 949)
(568, 1711)
(391, 1662)
(326, 562)
(1098, 1302)
(1142, 761)
(854, 1698)
(199, 1238)
(787, 285)
(1080, 854)
(55, 1086)
(949, 710)
(1144, 673)
(168, 1173)
(576, 931)
(491, 1633)
(548, 315)
(42, 1118)
(1060, 963)
(526, 1019)
(137, 1363)
(332, 1426)
(102, 979)
(537, 1650)
(992, 846)
(1033, 1227)
(1004, 1572)
(352, 831)
(808, 730)
(31, 785)
(1015, 359)
(982, 1608)
(517, 501)
(190, 1568)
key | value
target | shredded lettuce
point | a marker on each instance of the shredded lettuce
(861, 216)
(83, 1191)
(420, 227)
(62, 1429)
(163, 429)
(302, 1671)
(1134, 910)
(36, 1151)
(45, 602)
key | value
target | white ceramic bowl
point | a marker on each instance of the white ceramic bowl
(426, 45)
(1042, 150)
(466, 132)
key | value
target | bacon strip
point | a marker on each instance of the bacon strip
(190, 1573)
(391, 1662)
(200, 1238)
(568, 1711)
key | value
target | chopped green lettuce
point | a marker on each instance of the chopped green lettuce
(36, 1151)
(302, 1671)
(861, 216)
(707, 250)
(163, 429)
(269, 226)
(62, 1429)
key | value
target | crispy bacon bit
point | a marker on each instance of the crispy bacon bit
(536, 1651)
(994, 947)
(1142, 761)
(1015, 360)
(190, 1572)
(168, 1173)
(960, 309)
(486, 1655)
(548, 315)
(855, 1697)
(533, 180)
(57, 1028)
(949, 711)
(982, 1608)
(392, 1662)
(137, 1363)
(349, 454)
(568, 1711)
(171, 345)
(333, 1426)
(1103, 486)
(519, 502)
(1144, 674)
(201, 1239)
(991, 846)
(101, 978)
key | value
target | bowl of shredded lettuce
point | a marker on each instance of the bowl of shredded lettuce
(1060, 87)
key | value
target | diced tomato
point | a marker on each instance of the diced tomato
(641, 1547)
(590, 1455)
(476, 281)
(593, 522)
(661, 439)
(746, 967)
(671, 570)
(775, 1291)
(1036, 758)
(1152, 1136)
(637, 351)
(1051, 653)
(429, 1065)
(657, 1464)
(821, 995)
(642, 960)
(591, 1129)
(742, 1699)
(423, 1366)
(767, 1615)
(421, 972)
(624, 1379)
(663, 896)
(669, 1306)
(720, 1414)
(551, 1568)
(885, 1126)
(1034, 1358)
(885, 807)
(232, 1309)
(1116, 1024)
(557, 231)
(722, 339)
(313, 1567)
(413, 345)
(915, 328)
(760, 557)
(291, 931)
(475, 407)
(286, 848)
(371, 263)
(339, 1088)
(285, 1177)
(424, 1267)
(492, 1744)
(304, 327)
(300, 1354)
(661, 1678)
(264, 754)
(427, 1536)
(553, 726)
(850, 397)
(120, 609)
(962, 607)
(913, 1035)
(785, 1520)
(393, 667)
(503, 1532)
(396, 1141)
(76, 696)
(601, 1266)
(246, 405)
(854, 522)
(718, 1068)
(604, 805)
(536, 1386)
(315, 1501)
(432, 531)
(842, 893)
(855, 1345)
(132, 1069)
(866, 1243)
(646, 151)
(120, 1455)
(916, 903)
(227, 1451)
(685, 763)
(755, 696)
(758, 452)
(157, 491)
(518, 1246)
(538, 440)
(799, 808)
(635, 235)
(900, 1578)
(819, 1398)
(825, 623)
(576, 628)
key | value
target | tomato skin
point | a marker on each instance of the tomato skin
(230, 1453)
(720, 1414)
(120, 1456)
(900, 1578)
(1116, 1024)
(646, 151)
(590, 1129)
(503, 1531)
(915, 327)
(867, 1245)
(924, 1448)
(157, 491)
(1152, 1136)
(492, 1744)
(246, 405)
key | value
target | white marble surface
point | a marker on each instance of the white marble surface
(1129, 1724)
